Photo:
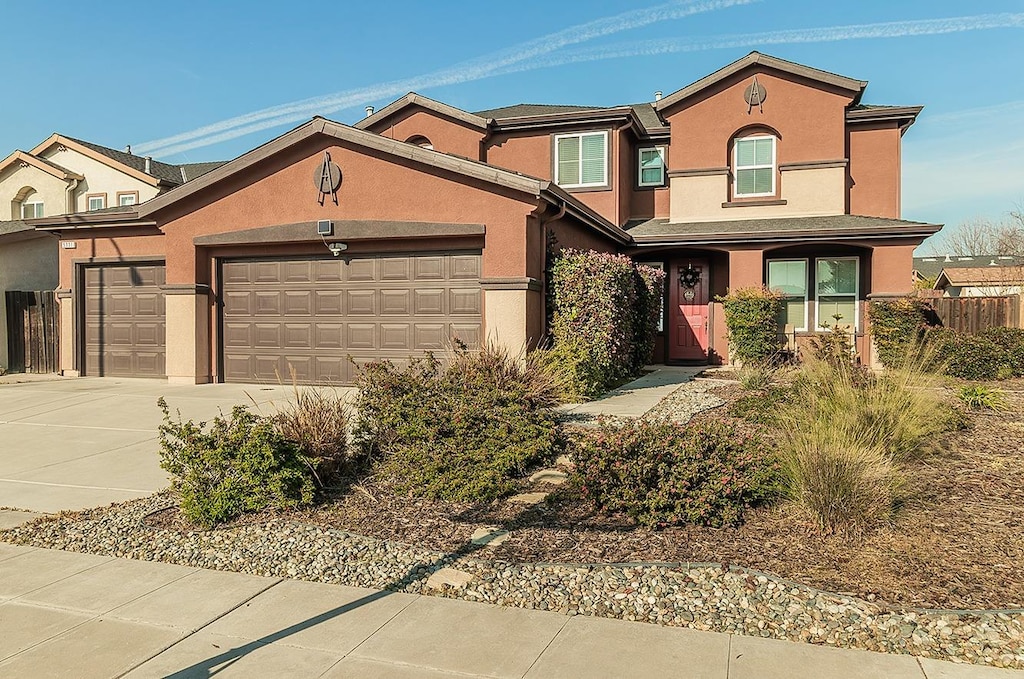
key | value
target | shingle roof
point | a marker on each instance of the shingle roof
(930, 267)
(165, 171)
(16, 226)
(832, 225)
(649, 116)
(522, 110)
(1006, 275)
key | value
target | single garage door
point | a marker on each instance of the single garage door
(310, 315)
(124, 321)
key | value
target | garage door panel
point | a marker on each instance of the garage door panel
(395, 302)
(430, 302)
(360, 308)
(465, 301)
(124, 324)
(361, 302)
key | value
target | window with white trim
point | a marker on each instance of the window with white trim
(652, 166)
(837, 287)
(754, 167)
(788, 277)
(32, 209)
(97, 202)
(581, 160)
(126, 199)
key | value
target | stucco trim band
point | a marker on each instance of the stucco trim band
(699, 172)
(510, 284)
(63, 293)
(305, 232)
(755, 203)
(814, 164)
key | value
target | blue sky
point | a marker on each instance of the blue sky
(138, 73)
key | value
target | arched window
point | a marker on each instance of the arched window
(27, 204)
(753, 165)
(421, 141)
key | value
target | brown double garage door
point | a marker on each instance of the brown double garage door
(306, 318)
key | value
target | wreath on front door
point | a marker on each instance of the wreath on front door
(689, 277)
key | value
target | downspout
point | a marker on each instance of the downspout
(70, 200)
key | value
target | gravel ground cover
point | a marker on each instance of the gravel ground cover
(958, 546)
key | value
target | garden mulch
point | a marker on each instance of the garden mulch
(958, 543)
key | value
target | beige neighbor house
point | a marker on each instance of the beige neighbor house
(61, 176)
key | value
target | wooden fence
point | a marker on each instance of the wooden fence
(32, 331)
(974, 314)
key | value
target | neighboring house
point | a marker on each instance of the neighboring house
(60, 176)
(981, 281)
(443, 222)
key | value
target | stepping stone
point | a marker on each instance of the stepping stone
(528, 498)
(552, 476)
(563, 461)
(490, 536)
(449, 577)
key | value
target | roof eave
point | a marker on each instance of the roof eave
(414, 99)
(913, 231)
(856, 87)
(99, 157)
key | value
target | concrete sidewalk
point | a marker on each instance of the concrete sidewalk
(76, 443)
(78, 615)
(635, 398)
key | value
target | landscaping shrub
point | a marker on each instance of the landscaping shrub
(317, 421)
(751, 316)
(896, 325)
(834, 347)
(661, 473)
(756, 376)
(977, 397)
(463, 432)
(239, 464)
(1011, 341)
(845, 434)
(969, 357)
(761, 407)
(605, 312)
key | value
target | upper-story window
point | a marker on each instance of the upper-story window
(754, 166)
(581, 159)
(127, 198)
(421, 141)
(32, 208)
(652, 166)
(97, 202)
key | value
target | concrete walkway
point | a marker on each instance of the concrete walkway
(79, 443)
(64, 614)
(635, 398)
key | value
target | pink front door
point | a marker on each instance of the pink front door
(688, 310)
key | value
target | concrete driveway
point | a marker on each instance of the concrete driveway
(75, 443)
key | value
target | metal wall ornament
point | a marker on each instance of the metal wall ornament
(688, 280)
(327, 179)
(754, 95)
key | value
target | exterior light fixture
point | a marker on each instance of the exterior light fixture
(337, 248)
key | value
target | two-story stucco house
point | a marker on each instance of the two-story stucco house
(61, 176)
(425, 223)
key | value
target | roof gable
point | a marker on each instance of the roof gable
(131, 165)
(43, 164)
(413, 99)
(856, 87)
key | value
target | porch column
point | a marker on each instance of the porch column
(746, 269)
(66, 304)
(511, 318)
(187, 334)
(892, 268)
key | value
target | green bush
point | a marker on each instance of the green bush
(604, 317)
(1011, 341)
(661, 473)
(977, 397)
(968, 357)
(762, 406)
(751, 316)
(463, 432)
(896, 325)
(239, 464)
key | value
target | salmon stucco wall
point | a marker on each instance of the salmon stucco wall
(375, 186)
(875, 170)
(445, 134)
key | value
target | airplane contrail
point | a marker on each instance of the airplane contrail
(474, 69)
(298, 111)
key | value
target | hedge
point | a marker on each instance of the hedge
(751, 316)
(896, 325)
(604, 317)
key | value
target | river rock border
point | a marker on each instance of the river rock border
(707, 597)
